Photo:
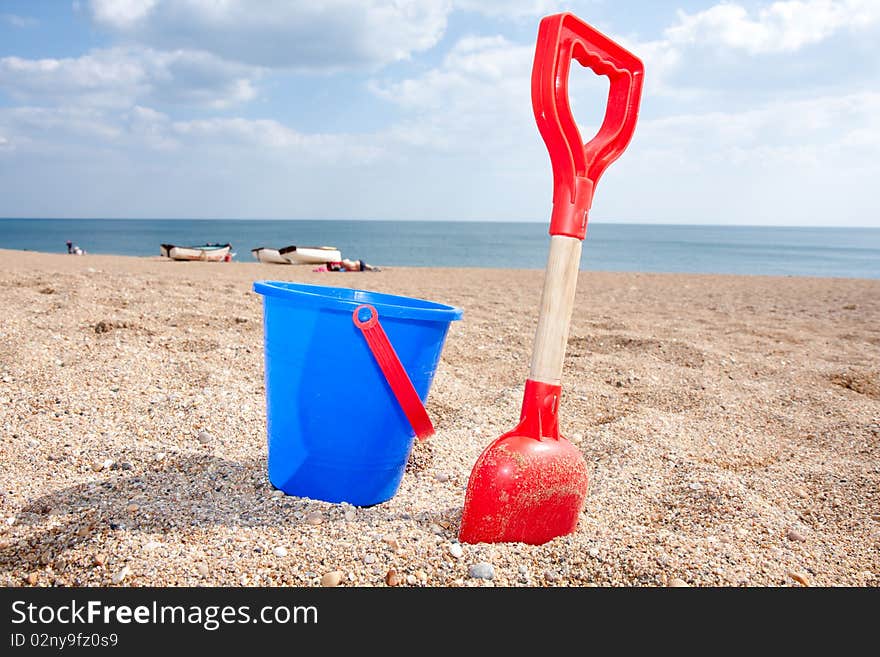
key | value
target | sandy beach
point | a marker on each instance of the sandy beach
(731, 426)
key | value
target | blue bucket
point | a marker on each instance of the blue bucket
(336, 431)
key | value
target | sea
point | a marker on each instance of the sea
(763, 250)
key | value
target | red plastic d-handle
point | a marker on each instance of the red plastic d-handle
(577, 167)
(394, 372)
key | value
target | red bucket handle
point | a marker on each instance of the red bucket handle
(393, 369)
(578, 166)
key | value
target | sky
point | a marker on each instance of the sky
(753, 112)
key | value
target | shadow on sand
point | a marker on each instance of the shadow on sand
(183, 490)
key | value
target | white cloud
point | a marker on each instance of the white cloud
(121, 13)
(795, 162)
(150, 128)
(322, 35)
(279, 139)
(708, 54)
(778, 163)
(477, 99)
(121, 76)
(36, 126)
(36, 129)
(824, 123)
(275, 138)
(779, 27)
(142, 162)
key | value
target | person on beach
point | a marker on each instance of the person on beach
(357, 265)
(73, 249)
(351, 265)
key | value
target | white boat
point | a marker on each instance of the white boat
(269, 256)
(310, 255)
(204, 252)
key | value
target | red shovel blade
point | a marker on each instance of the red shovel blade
(530, 484)
(524, 490)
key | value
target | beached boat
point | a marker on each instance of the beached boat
(310, 255)
(269, 256)
(209, 252)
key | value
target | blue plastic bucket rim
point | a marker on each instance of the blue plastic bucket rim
(338, 298)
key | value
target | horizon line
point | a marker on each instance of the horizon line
(463, 221)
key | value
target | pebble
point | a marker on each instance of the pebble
(31, 579)
(204, 437)
(243, 580)
(103, 465)
(392, 578)
(456, 550)
(132, 508)
(794, 535)
(435, 528)
(800, 578)
(315, 518)
(593, 552)
(421, 575)
(202, 569)
(125, 465)
(152, 545)
(278, 493)
(481, 570)
(675, 582)
(332, 578)
(576, 438)
(120, 575)
(280, 551)
(350, 514)
(99, 559)
(441, 477)
(550, 575)
(370, 558)
(411, 580)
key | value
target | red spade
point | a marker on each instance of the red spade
(531, 483)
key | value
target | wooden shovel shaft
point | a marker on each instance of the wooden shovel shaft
(557, 303)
